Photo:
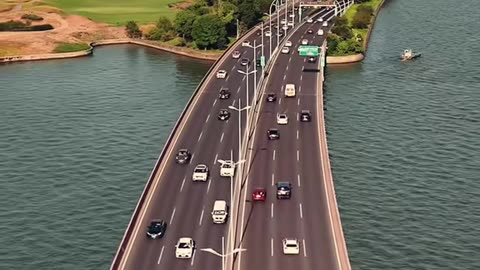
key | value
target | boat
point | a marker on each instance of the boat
(408, 54)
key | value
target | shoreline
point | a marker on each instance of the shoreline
(163, 47)
(355, 58)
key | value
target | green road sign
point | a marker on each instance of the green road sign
(262, 61)
(308, 50)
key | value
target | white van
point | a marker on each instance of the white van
(290, 90)
(320, 32)
(220, 212)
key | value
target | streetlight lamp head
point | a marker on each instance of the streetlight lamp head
(232, 107)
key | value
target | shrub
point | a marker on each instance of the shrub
(343, 31)
(32, 17)
(132, 29)
(365, 9)
(332, 43)
(71, 47)
(178, 41)
(361, 20)
(17, 26)
(339, 21)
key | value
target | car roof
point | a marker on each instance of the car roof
(290, 241)
(184, 239)
(259, 189)
(305, 111)
(155, 221)
(283, 184)
(201, 166)
(183, 150)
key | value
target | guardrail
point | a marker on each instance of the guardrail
(133, 220)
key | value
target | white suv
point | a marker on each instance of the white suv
(282, 119)
(227, 168)
(184, 248)
(291, 246)
(200, 173)
(221, 74)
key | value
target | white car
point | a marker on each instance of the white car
(319, 19)
(288, 43)
(291, 246)
(245, 43)
(227, 168)
(325, 24)
(320, 32)
(285, 27)
(268, 33)
(184, 248)
(309, 20)
(285, 50)
(304, 41)
(236, 54)
(290, 23)
(282, 119)
(283, 21)
(200, 173)
(221, 74)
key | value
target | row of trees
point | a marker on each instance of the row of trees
(342, 40)
(207, 24)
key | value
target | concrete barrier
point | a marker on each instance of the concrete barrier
(46, 56)
(347, 59)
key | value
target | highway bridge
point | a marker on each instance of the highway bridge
(252, 237)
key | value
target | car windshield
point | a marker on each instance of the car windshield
(226, 165)
(219, 212)
(292, 245)
(184, 245)
(200, 170)
(182, 153)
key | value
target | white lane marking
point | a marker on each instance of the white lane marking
(300, 88)
(298, 155)
(297, 134)
(201, 217)
(301, 210)
(226, 80)
(301, 77)
(273, 179)
(208, 117)
(233, 67)
(221, 138)
(284, 76)
(238, 90)
(243, 78)
(298, 102)
(193, 258)
(279, 101)
(214, 102)
(233, 104)
(287, 66)
(272, 210)
(200, 137)
(215, 160)
(298, 180)
(209, 183)
(193, 155)
(304, 249)
(298, 116)
(183, 183)
(173, 214)
(289, 60)
(273, 154)
(161, 254)
(303, 67)
(271, 246)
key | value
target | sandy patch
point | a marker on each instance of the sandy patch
(70, 28)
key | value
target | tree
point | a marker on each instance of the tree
(367, 9)
(163, 31)
(342, 31)
(209, 32)
(248, 13)
(338, 21)
(184, 23)
(132, 29)
(332, 43)
(361, 20)
(361, 1)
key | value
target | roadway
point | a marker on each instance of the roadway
(295, 158)
(186, 205)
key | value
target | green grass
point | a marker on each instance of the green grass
(117, 12)
(71, 47)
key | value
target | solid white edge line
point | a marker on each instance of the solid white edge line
(183, 183)
(173, 214)
(201, 217)
(161, 254)
(304, 248)
(301, 210)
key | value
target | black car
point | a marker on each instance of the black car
(223, 114)
(183, 156)
(271, 97)
(224, 93)
(305, 116)
(156, 229)
(309, 31)
(244, 61)
(284, 190)
(273, 134)
(258, 62)
(312, 59)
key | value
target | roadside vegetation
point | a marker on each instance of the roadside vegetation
(71, 47)
(17, 26)
(349, 34)
(205, 24)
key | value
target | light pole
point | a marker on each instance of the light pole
(253, 71)
(239, 110)
(223, 254)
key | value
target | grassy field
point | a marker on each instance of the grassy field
(71, 47)
(117, 12)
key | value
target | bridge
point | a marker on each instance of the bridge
(252, 236)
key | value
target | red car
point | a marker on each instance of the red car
(259, 194)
